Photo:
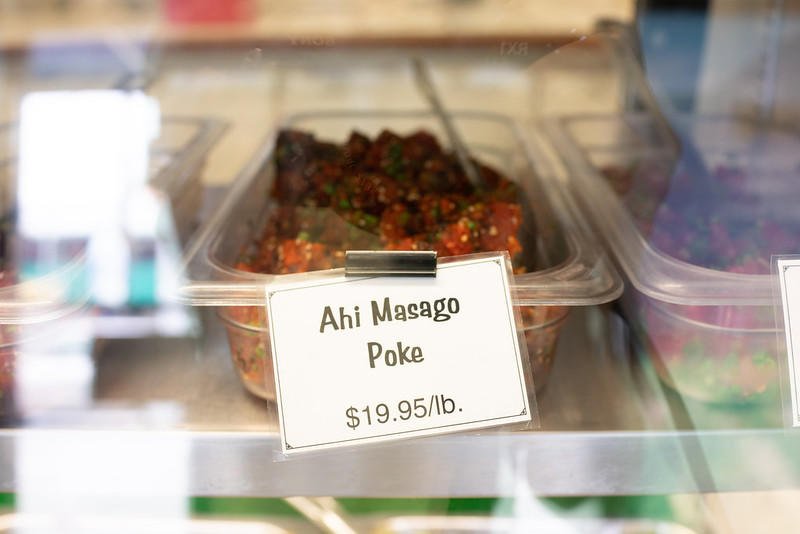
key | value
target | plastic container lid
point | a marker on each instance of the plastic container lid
(49, 279)
(679, 238)
(568, 270)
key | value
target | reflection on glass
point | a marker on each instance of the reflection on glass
(84, 200)
(79, 221)
(82, 156)
(84, 207)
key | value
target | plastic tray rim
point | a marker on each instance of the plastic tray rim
(591, 278)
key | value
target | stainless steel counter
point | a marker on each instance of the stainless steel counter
(607, 428)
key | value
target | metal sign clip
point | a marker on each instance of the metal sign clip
(390, 263)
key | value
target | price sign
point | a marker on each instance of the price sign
(789, 277)
(372, 359)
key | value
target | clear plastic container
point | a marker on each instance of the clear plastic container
(696, 250)
(44, 282)
(563, 268)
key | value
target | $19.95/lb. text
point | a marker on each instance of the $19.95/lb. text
(418, 408)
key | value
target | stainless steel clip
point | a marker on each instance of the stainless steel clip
(390, 263)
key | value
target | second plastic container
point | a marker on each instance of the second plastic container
(696, 249)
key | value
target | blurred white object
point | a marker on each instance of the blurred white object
(83, 159)
(80, 154)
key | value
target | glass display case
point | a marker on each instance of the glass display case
(164, 163)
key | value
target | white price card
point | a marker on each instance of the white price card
(789, 278)
(375, 359)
